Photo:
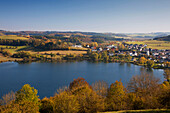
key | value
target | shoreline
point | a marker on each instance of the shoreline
(21, 60)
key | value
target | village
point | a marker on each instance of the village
(134, 50)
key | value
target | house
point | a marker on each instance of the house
(93, 50)
(110, 46)
(134, 53)
(79, 46)
(147, 53)
(100, 49)
(111, 54)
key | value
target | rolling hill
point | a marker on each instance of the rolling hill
(165, 38)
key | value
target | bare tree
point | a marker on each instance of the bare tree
(143, 82)
(8, 98)
(100, 87)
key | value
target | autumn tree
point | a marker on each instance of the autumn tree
(47, 105)
(88, 99)
(146, 89)
(142, 60)
(94, 56)
(150, 63)
(167, 74)
(65, 102)
(116, 96)
(128, 57)
(164, 97)
(28, 99)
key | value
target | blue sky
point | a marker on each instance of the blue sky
(119, 16)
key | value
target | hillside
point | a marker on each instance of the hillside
(93, 35)
(165, 38)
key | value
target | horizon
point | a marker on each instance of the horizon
(98, 16)
(83, 31)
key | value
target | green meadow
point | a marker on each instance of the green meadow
(14, 37)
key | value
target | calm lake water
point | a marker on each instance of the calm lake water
(48, 77)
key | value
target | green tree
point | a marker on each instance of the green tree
(28, 99)
(128, 57)
(94, 56)
(150, 63)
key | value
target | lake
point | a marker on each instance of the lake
(48, 77)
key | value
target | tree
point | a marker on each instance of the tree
(142, 60)
(8, 98)
(146, 88)
(94, 56)
(47, 105)
(28, 99)
(143, 82)
(128, 57)
(78, 83)
(116, 96)
(167, 74)
(65, 102)
(88, 100)
(150, 63)
(100, 87)
(164, 97)
(89, 51)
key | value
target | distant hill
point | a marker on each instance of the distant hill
(165, 38)
(93, 35)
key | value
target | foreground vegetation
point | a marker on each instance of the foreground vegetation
(142, 111)
(142, 92)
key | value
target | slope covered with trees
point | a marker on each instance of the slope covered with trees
(165, 38)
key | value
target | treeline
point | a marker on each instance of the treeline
(106, 38)
(142, 92)
(37, 44)
(10, 42)
(104, 56)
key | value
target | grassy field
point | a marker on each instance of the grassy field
(153, 44)
(76, 48)
(14, 37)
(142, 111)
(4, 59)
(60, 52)
(12, 49)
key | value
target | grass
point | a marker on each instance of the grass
(142, 111)
(153, 44)
(12, 49)
(60, 52)
(14, 37)
(76, 48)
(4, 59)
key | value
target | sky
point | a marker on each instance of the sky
(116, 16)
